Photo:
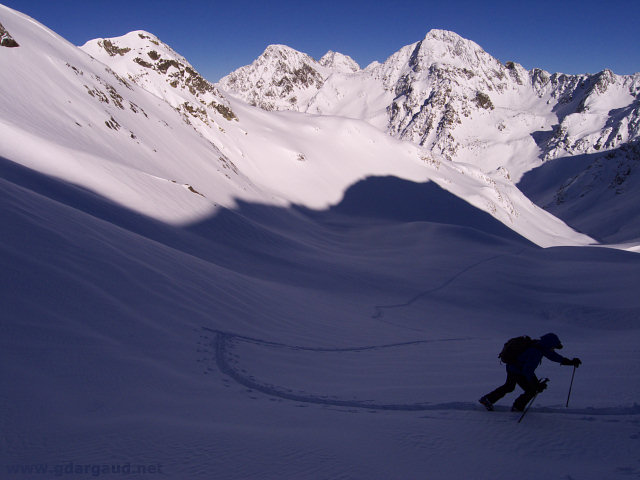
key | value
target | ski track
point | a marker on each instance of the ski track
(223, 343)
(378, 309)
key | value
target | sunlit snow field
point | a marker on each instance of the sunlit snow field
(335, 315)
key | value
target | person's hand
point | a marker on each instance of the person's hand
(576, 362)
(542, 386)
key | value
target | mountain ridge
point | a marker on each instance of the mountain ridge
(175, 136)
(448, 95)
(431, 86)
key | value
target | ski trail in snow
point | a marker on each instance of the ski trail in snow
(222, 345)
(378, 309)
(258, 341)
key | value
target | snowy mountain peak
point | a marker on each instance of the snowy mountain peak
(442, 35)
(449, 47)
(280, 79)
(137, 44)
(283, 52)
(339, 62)
(142, 58)
(437, 35)
(283, 78)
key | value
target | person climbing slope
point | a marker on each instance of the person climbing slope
(522, 356)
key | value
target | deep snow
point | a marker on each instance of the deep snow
(285, 343)
(336, 317)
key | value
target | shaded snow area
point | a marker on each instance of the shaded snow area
(597, 194)
(193, 287)
(268, 342)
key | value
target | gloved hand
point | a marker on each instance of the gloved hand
(576, 362)
(542, 386)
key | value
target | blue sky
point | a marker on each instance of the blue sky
(218, 37)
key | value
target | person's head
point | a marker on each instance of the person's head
(551, 340)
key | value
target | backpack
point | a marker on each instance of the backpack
(513, 348)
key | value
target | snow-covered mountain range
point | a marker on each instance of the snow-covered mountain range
(448, 95)
(179, 147)
(195, 287)
(437, 92)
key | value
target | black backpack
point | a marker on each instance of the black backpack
(513, 348)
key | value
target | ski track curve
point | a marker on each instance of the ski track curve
(222, 344)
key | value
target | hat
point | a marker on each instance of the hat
(551, 340)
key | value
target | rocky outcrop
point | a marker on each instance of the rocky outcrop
(6, 40)
(142, 58)
(280, 79)
(595, 112)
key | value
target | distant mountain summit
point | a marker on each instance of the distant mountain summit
(280, 79)
(339, 62)
(144, 59)
(447, 94)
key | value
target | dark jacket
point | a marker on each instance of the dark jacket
(529, 360)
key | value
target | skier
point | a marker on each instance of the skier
(522, 372)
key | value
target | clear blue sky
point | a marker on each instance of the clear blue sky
(217, 37)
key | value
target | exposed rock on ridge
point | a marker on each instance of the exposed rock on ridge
(142, 58)
(6, 40)
(280, 79)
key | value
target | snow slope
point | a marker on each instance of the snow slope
(149, 133)
(447, 94)
(269, 342)
(590, 192)
(93, 127)
(329, 305)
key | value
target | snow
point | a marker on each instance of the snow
(339, 62)
(591, 192)
(329, 304)
(348, 346)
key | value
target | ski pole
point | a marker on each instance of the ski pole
(570, 386)
(527, 409)
(532, 400)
